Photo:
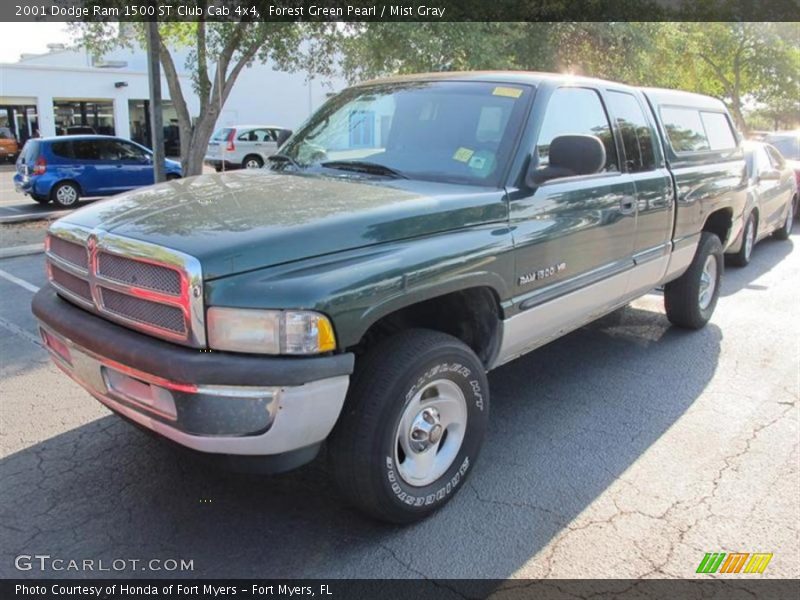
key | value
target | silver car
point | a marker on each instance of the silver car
(771, 198)
(244, 146)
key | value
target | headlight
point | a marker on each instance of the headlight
(269, 331)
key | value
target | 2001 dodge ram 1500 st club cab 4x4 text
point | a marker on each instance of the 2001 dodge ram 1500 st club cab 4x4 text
(415, 233)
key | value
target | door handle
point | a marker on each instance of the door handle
(627, 205)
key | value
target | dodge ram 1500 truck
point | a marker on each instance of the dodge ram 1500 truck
(412, 235)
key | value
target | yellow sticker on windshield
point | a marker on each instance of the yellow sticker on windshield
(463, 154)
(508, 92)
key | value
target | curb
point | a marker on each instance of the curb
(32, 217)
(14, 251)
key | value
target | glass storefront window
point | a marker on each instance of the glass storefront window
(139, 115)
(21, 120)
(84, 116)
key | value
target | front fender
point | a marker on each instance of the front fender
(358, 287)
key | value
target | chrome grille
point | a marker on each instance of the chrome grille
(70, 282)
(140, 274)
(143, 286)
(69, 251)
(144, 311)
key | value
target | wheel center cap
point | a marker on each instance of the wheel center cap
(426, 430)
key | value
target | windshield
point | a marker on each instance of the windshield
(460, 132)
(787, 145)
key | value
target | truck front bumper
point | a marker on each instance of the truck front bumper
(213, 402)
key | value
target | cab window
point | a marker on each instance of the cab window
(637, 135)
(684, 129)
(718, 131)
(576, 111)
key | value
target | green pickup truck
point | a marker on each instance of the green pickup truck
(412, 235)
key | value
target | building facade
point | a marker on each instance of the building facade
(67, 91)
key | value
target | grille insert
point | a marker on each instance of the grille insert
(139, 274)
(75, 254)
(143, 311)
(71, 283)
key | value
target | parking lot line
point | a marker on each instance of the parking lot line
(23, 333)
(20, 282)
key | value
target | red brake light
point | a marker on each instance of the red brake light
(231, 147)
(40, 166)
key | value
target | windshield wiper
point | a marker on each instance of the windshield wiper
(284, 158)
(363, 166)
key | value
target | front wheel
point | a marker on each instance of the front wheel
(690, 300)
(66, 195)
(786, 229)
(412, 426)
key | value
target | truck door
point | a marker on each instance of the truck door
(643, 159)
(575, 234)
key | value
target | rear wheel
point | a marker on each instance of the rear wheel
(690, 300)
(786, 229)
(253, 162)
(412, 426)
(742, 257)
(66, 194)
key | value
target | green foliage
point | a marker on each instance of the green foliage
(741, 63)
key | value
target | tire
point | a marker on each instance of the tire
(786, 229)
(393, 391)
(742, 257)
(172, 177)
(218, 168)
(682, 298)
(66, 194)
(252, 161)
(40, 199)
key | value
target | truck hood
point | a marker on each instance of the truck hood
(247, 220)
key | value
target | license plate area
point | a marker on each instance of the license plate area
(147, 395)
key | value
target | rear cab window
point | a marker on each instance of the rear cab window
(696, 130)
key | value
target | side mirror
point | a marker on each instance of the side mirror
(283, 135)
(570, 155)
(769, 175)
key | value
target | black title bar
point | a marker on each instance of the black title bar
(399, 10)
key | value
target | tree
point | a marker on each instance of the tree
(218, 51)
(744, 64)
(740, 62)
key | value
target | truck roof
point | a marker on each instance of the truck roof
(657, 95)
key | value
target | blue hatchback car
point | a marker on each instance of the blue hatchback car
(65, 168)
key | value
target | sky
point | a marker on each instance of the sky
(30, 37)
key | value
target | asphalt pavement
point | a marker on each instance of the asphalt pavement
(626, 449)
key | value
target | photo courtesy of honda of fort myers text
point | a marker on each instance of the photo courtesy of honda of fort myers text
(405, 299)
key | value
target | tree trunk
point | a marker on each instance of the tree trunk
(738, 117)
(202, 131)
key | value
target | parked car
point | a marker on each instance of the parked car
(358, 292)
(788, 144)
(79, 130)
(244, 146)
(9, 147)
(772, 197)
(64, 168)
